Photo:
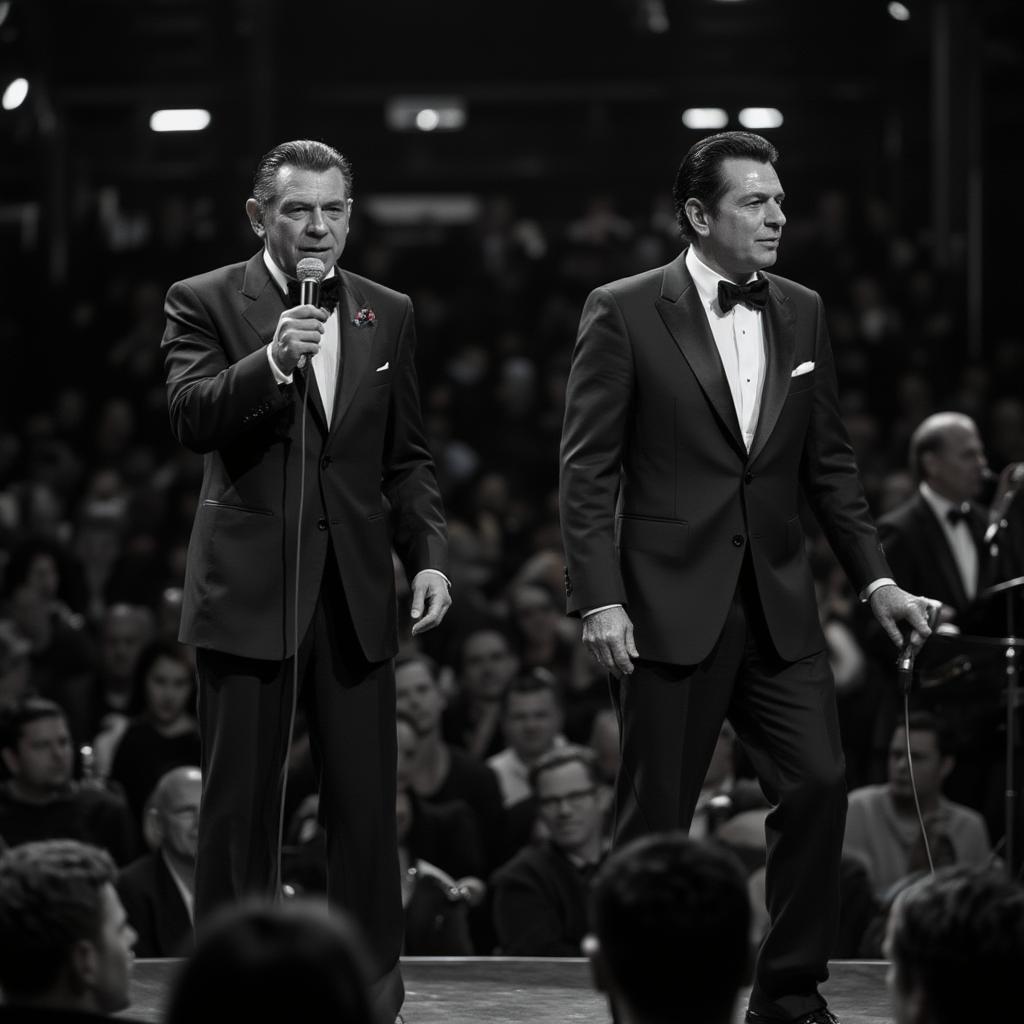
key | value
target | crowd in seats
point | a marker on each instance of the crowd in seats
(96, 503)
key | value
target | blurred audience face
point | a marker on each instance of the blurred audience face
(419, 696)
(535, 613)
(956, 468)
(110, 967)
(168, 689)
(488, 665)
(569, 806)
(176, 812)
(41, 760)
(930, 766)
(126, 631)
(43, 576)
(532, 721)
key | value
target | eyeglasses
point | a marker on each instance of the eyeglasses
(574, 799)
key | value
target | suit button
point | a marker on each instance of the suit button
(325, 461)
(321, 524)
(737, 541)
(747, 477)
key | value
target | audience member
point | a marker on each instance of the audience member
(956, 945)
(540, 896)
(294, 961)
(473, 718)
(157, 890)
(882, 826)
(40, 800)
(441, 772)
(670, 936)
(65, 943)
(163, 733)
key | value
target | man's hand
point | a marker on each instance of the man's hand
(608, 635)
(297, 336)
(429, 591)
(892, 606)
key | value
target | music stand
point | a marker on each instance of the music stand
(946, 657)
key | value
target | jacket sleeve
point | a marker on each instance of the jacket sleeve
(598, 397)
(212, 399)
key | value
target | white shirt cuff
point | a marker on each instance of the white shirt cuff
(281, 378)
(603, 608)
(437, 572)
(882, 581)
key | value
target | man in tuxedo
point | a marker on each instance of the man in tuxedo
(315, 464)
(934, 540)
(701, 404)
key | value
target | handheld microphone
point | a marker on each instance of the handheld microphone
(905, 659)
(310, 272)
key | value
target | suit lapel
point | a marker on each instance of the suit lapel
(683, 314)
(780, 344)
(354, 344)
(262, 314)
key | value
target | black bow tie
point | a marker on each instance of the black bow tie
(959, 514)
(754, 294)
(330, 292)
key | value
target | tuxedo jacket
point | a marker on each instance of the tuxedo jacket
(919, 553)
(154, 908)
(366, 481)
(661, 502)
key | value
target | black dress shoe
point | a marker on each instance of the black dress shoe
(823, 1015)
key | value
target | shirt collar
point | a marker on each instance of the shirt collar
(281, 279)
(939, 505)
(707, 279)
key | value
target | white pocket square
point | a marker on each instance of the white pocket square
(802, 369)
(388, 363)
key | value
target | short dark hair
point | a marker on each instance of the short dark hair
(290, 961)
(27, 710)
(51, 896)
(419, 658)
(699, 175)
(925, 721)
(959, 936)
(673, 915)
(568, 753)
(534, 680)
(303, 154)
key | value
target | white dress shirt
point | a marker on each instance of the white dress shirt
(958, 536)
(325, 362)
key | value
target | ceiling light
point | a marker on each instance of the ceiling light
(760, 117)
(898, 11)
(705, 117)
(14, 94)
(185, 120)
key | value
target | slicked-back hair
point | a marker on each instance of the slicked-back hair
(672, 915)
(958, 935)
(700, 174)
(289, 961)
(51, 896)
(302, 154)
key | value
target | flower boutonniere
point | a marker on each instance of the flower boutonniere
(365, 317)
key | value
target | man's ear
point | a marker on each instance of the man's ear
(698, 217)
(252, 211)
(84, 965)
(153, 828)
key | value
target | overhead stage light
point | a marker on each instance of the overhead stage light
(898, 11)
(426, 113)
(185, 120)
(14, 94)
(705, 117)
(760, 117)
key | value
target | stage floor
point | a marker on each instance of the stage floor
(505, 990)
